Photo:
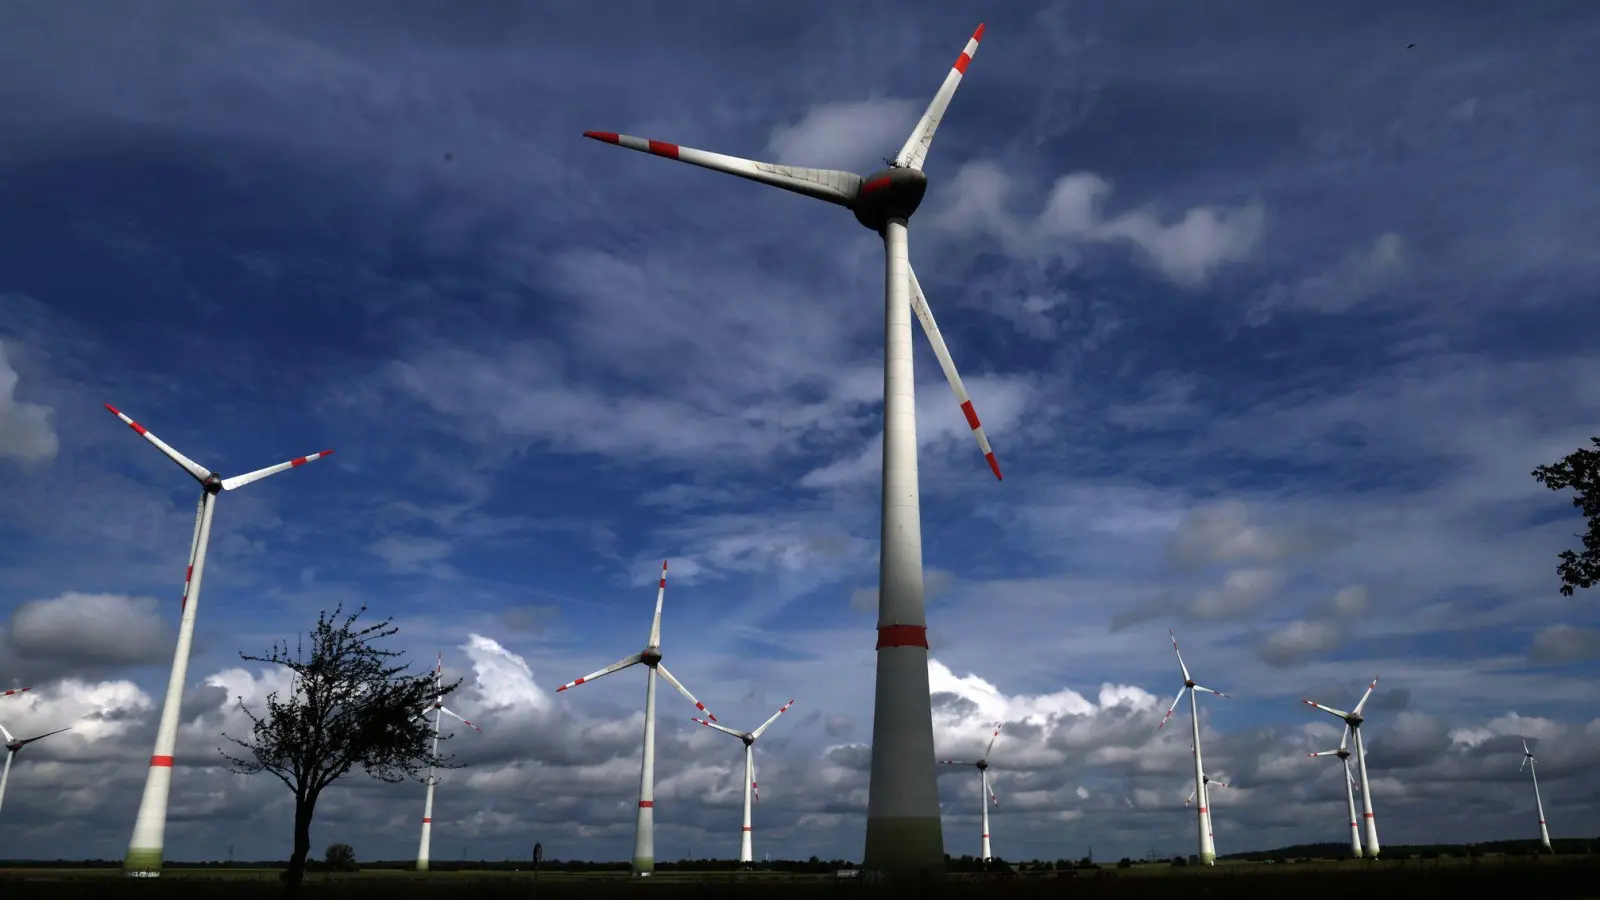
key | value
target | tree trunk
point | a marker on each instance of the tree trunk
(303, 808)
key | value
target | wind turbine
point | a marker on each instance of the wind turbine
(903, 829)
(1353, 720)
(149, 827)
(13, 746)
(644, 841)
(1533, 769)
(751, 791)
(439, 711)
(986, 793)
(1349, 789)
(1209, 781)
(1208, 849)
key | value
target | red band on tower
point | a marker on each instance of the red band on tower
(902, 636)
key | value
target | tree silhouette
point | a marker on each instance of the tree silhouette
(339, 857)
(350, 704)
(1579, 470)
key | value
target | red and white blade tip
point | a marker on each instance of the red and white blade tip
(17, 691)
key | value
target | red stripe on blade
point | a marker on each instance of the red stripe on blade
(978, 35)
(902, 636)
(427, 821)
(609, 137)
(164, 762)
(962, 62)
(971, 414)
(661, 148)
(994, 466)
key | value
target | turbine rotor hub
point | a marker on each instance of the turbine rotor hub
(212, 483)
(1189, 683)
(1354, 720)
(651, 656)
(892, 193)
(982, 764)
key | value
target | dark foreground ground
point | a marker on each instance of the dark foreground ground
(1539, 879)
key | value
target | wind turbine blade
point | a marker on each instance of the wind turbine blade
(661, 594)
(1524, 764)
(915, 151)
(6, 734)
(40, 737)
(1191, 797)
(992, 740)
(447, 711)
(823, 184)
(617, 666)
(1209, 690)
(919, 305)
(722, 728)
(17, 691)
(755, 789)
(1211, 781)
(956, 762)
(1179, 654)
(1363, 703)
(1525, 750)
(1327, 709)
(239, 481)
(684, 691)
(1172, 707)
(1344, 736)
(199, 472)
(1325, 752)
(764, 725)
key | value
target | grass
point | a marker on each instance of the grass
(1524, 878)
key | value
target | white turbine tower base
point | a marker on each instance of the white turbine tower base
(903, 834)
(439, 711)
(751, 790)
(143, 859)
(1349, 789)
(985, 791)
(1207, 846)
(1533, 769)
(644, 847)
(1353, 720)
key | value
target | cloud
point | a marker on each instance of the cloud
(412, 554)
(26, 429)
(1242, 591)
(1187, 251)
(934, 583)
(854, 136)
(1299, 641)
(79, 633)
(1223, 532)
(1558, 644)
(1360, 276)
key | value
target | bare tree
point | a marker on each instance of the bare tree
(350, 704)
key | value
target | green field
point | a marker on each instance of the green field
(1521, 878)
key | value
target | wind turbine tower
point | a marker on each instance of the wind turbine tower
(1349, 789)
(1353, 719)
(751, 790)
(143, 859)
(904, 835)
(439, 711)
(1532, 767)
(985, 791)
(644, 841)
(1208, 849)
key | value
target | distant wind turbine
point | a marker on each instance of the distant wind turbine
(1208, 848)
(1528, 761)
(1353, 719)
(1349, 789)
(751, 789)
(439, 711)
(985, 792)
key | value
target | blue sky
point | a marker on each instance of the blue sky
(1267, 315)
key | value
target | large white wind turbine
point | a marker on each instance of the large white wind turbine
(985, 792)
(1532, 767)
(149, 826)
(751, 791)
(439, 711)
(644, 841)
(1208, 850)
(1354, 720)
(903, 830)
(1349, 789)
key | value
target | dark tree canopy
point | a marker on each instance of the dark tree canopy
(1580, 471)
(351, 705)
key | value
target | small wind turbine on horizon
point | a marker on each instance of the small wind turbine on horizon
(439, 711)
(1208, 849)
(1349, 789)
(149, 826)
(1353, 720)
(904, 834)
(751, 790)
(1533, 769)
(985, 791)
(644, 852)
